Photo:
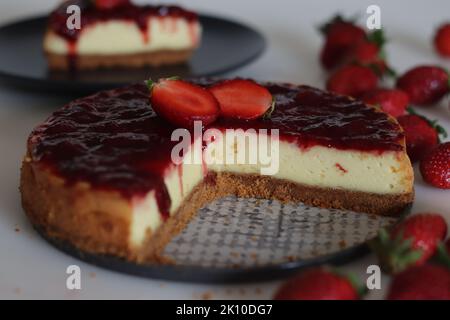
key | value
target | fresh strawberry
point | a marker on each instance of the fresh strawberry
(424, 84)
(352, 80)
(411, 242)
(182, 103)
(242, 99)
(365, 53)
(341, 36)
(422, 135)
(370, 52)
(435, 166)
(426, 282)
(110, 4)
(320, 284)
(442, 40)
(392, 101)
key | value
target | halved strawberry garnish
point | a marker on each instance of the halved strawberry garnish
(181, 103)
(242, 99)
(110, 4)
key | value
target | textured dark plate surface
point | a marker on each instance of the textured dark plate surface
(226, 45)
(245, 240)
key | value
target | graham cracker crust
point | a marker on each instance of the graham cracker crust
(138, 60)
(218, 185)
(98, 221)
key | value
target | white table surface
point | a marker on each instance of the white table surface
(30, 268)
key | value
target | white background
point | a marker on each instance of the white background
(30, 268)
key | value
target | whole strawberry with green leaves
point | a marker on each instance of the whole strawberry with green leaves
(410, 243)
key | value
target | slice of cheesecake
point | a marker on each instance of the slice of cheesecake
(125, 35)
(99, 173)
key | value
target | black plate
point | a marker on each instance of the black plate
(206, 275)
(202, 274)
(226, 45)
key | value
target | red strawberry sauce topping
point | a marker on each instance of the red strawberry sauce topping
(115, 141)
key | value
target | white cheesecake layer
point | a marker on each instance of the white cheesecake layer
(125, 37)
(320, 166)
(387, 173)
(180, 181)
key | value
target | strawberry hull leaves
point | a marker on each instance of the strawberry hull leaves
(410, 243)
(396, 254)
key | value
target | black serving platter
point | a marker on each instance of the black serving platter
(226, 45)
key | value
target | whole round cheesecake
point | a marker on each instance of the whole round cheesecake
(99, 172)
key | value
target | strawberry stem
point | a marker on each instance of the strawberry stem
(377, 37)
(442, 255)
(173, 78)
(391, 72)
(269, 112)
(149, 83)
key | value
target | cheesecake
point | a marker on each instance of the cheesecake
(125, 35)
(99, 173)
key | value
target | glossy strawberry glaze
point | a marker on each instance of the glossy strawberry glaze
(115, 141)
(129, 12)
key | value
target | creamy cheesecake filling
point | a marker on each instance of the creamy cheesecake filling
(387, 173)
(117, 37)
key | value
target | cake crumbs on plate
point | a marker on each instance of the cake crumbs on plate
(207, 295)
(234, 254)
(291, 258)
